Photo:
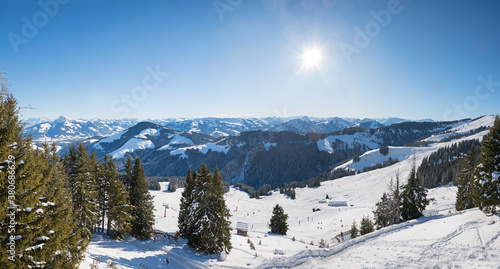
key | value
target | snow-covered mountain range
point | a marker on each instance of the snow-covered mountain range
(260, 157)
(63, 129)
(442, 238)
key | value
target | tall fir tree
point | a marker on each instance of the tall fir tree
(142, 202)
(82, 178)
(486, 176)
(103, 186)
(118, 210)
(23, 185)
(278, 222)
(414, 196)
(209, 230)
(33, 192)
(464, 196)
(186, 203)
(59, 243)
(127, 177)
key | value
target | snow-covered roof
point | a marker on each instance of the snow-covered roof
(242, 226)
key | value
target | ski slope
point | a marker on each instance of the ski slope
(444, 239)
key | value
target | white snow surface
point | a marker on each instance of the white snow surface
(202, 148)
(447, 239)
(149, 131)
(130, 146)
(374, 157)
(486, 121)
(111, 139)
(176, 140)
(361, 138)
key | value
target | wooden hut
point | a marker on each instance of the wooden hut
(242, 228)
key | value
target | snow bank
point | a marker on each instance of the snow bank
(176, 139)
(361, 138)
(130, 146)
(374, 157)
(149, 132)
(205, 148)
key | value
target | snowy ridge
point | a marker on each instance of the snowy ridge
(130, 146)
(374, 157)
(486, 121)
(176, 139)
(350, 140)
(204, 149)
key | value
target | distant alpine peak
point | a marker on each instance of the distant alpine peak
(61, 119)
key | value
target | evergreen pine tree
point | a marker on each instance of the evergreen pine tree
(127, 177)
(142, 202)
(486, 177)
(354, 230)
(103, 186)
(33, 193)
(210, 230)
(278, 220)
(23, 185)
(59, 223)
(464, 198)
(185, 206)
(395, 189)
(382, 212)
(414, 196)
(366, 225)
(119, 211)
(82, 178)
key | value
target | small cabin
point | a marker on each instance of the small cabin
(242, 228)
(337, 203)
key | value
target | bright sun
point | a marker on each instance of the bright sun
(312, 58)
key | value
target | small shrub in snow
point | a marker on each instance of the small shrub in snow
(95, 263)
(252, 246)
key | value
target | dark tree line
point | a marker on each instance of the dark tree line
(478, 183)
(443, 166)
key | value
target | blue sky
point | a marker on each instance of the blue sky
(177, 58)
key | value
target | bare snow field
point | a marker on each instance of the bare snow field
(443, 239)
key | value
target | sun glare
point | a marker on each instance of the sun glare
(312, 58)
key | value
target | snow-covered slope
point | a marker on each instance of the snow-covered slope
(374, 157)
(446, 239)
(461, 129)
(458, 240)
